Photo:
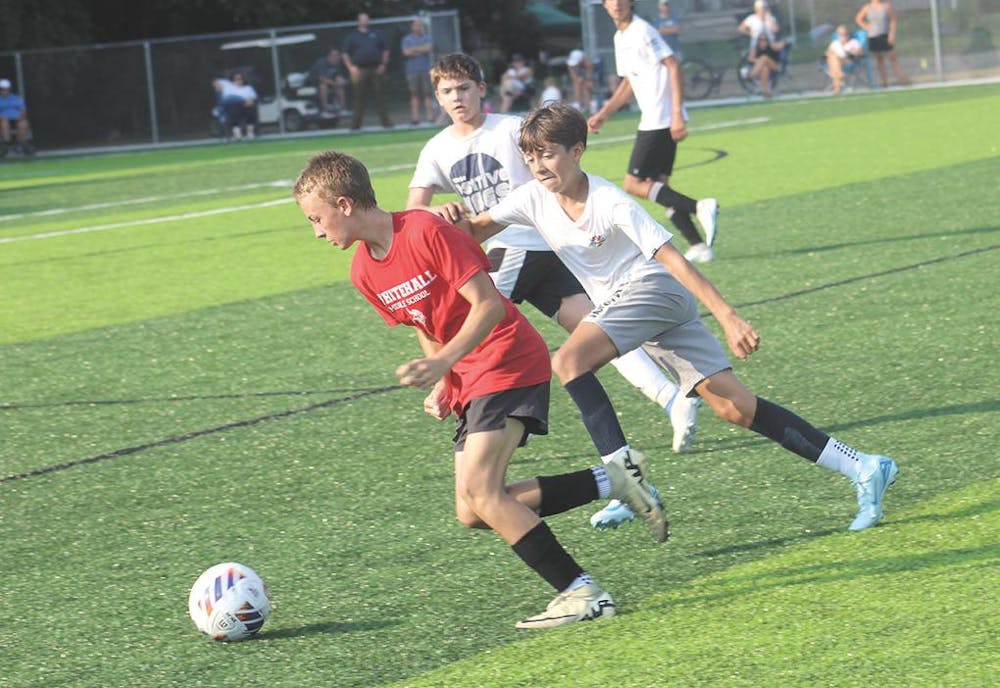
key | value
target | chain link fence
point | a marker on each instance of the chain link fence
(160, 91)
(936, 41)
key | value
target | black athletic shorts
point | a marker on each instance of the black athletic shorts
(879, 44)
(530, 405)
(652, 154)
(538, 277)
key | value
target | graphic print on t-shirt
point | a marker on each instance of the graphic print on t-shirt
(481, 180)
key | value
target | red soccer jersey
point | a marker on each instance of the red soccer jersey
(417, 284)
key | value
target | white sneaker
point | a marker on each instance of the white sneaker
(707, 212)
(627, 472)
(699, 253)
(585, 603)
(618, 512)
(683, 414)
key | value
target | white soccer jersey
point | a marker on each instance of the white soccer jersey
(639, 54)
(613, 241)
(481, 168)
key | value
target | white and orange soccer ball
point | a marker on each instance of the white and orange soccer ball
(229, 602)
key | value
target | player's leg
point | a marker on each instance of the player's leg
(490, 429)
(584, 352)
(650, 166)
(871, 474)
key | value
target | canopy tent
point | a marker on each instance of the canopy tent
(552, 18)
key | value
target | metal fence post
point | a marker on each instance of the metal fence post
(278, 97)
(151, 92)
(936, 33)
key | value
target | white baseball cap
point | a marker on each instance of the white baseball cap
(5, 84)
(575, 58)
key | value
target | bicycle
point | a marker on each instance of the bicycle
(700, 79)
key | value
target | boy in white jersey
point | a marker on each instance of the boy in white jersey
(649, 69)
(645, 291)
(477, 157)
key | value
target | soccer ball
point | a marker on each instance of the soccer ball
(229, 602)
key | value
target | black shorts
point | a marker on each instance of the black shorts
(530, 405)
(879, 44)
(538, 277)
(653, 154)
(770, 52)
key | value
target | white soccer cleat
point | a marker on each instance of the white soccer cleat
(707, 212)
(683, 414)
(615, 513)
(586, 603)
(627, 472)
(875, 475)
(700, 253)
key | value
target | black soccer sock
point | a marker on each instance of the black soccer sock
(669, 198)
(597, 413)
(789, 430)
(540, 550)
(682, 221)
(566, 491)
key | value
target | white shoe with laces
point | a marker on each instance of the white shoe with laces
(627, 472)
(700, 253)
(707, 212)
(586, 603)
(683, 414)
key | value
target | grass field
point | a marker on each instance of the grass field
(186, 377)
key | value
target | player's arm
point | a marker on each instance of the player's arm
(618, 99)
(861, 18)
(742, 337)
(486, 309)
(678, 128)
(481, 227)
(438, 401)
(421, 196)
(893, 22)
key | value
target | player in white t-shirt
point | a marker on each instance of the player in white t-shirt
(477, 158)
(645, 293)
(650, 70)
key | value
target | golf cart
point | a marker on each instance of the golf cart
(295, 106)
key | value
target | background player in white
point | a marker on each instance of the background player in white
(645, 291)
(650, 70)
(477, 158)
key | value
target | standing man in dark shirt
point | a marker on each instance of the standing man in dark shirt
(366, 56)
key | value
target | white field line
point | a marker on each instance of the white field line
(284, 183)
(251, 206)
(147, 221)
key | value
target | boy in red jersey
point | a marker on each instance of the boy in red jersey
(483, 361)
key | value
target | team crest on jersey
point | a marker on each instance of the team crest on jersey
(481, 180)
(418, 316)
(598, 240)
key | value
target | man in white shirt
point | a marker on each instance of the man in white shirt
(650, 70)
(477, 158)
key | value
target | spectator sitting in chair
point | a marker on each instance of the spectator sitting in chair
(328, 74)
(515, 82)
(842, 51)
(765, 56)
(238, 101)
(13, 114)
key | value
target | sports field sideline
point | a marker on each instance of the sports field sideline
(187, 377)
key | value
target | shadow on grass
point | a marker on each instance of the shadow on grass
(329, 628)
(750, 438)
(836, 572)
(806, 250)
